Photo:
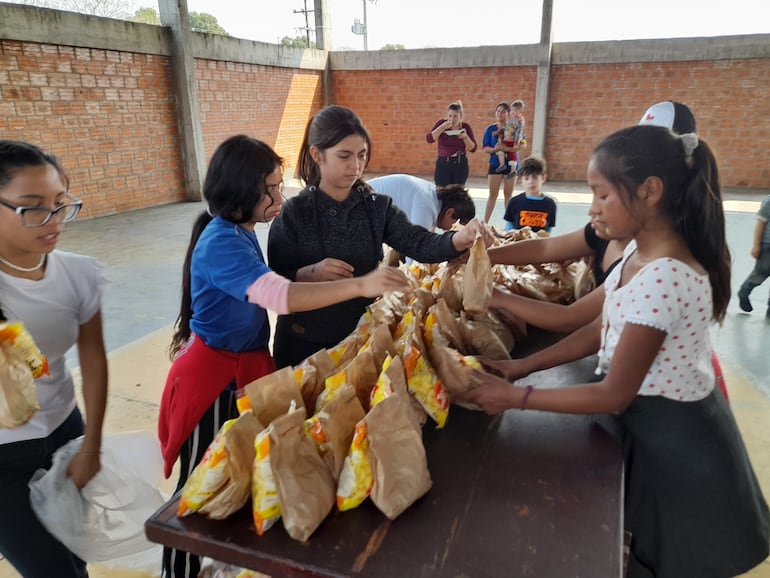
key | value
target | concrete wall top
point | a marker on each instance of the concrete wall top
(33, 24)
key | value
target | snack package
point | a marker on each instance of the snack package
(332, 385)
(420, 377)
(355, 481)
(381, 343)
(224, 472)
(239, 444)
(265, 507)
(332, 428)
(397, 458)
(440, 320)
(18, 396)
(16, 336)
(305, 485)
(477, 280)
(272, 394)
(347, 349)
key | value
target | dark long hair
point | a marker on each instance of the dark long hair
(234, 186)
(17, 155)
(326, 129)
(692, 197)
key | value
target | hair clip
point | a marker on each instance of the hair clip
(689, 143)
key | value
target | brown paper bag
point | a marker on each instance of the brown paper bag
(481, 340)
(421, 301)
(18, 397)
(492, 320)
(361, 373)
(272, 395)
(451, 286)
(448, 325)
(332, 428)
(311, 375)
(306, 489)
(239, 444)
(477, 281)
(454, 369)
(397, 457)
(381, 343)
(393, 377)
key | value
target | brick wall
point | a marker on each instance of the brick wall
(108, 115)
(399, 108)
(272, 104)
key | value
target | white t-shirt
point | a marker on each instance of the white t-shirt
(53, 309)
(670, 296)
(413, 195)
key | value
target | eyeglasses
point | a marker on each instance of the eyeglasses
(39, 216)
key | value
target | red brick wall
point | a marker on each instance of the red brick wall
(729, 98)
(399, 107)
(111, 116)
(108, 115)
(269, 103)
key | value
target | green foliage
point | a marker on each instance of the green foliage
(199, 22)
(297, 42)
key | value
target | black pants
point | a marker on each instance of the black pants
(176, 563)
(451, 170)
(23, 540)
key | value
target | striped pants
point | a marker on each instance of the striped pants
(178, 564)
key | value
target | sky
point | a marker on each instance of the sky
(450, 23)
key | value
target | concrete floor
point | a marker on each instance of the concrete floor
(143, 251)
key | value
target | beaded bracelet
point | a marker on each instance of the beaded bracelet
(526, 397)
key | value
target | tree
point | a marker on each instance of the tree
(107, 8)
(203, 22)
(297, 42)
(393, 47)
(199, 22)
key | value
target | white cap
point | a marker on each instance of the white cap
(660, 114)
(672, 115)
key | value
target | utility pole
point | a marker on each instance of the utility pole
(305, 11)
(359, 27)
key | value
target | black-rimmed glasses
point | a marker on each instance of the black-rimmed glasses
(39, 216)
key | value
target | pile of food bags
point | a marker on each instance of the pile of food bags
(346, 424)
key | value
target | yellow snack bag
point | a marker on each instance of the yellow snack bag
(208, 476)
(332, 385)
(382, 388)
(355, 483)
(425, 385)
(266, 509)
(16, 335)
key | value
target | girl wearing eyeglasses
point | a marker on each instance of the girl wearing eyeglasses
(57, 296)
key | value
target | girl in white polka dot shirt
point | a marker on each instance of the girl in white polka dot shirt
(692, 502)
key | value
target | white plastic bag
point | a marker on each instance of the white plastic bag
(104, 522)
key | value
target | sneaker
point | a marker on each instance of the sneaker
(501, 169)
(744, 303)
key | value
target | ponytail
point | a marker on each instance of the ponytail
(182, 326)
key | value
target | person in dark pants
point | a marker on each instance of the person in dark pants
(57, 295)
(760, 250)
(455, 140)
(335, 229)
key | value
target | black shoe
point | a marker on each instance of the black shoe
(501, 168)
(744, 303)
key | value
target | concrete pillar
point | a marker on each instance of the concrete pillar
(174, 15)
(323, 27)
(540, 120)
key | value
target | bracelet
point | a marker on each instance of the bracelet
(526, 397)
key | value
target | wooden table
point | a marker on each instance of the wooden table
(523, 494)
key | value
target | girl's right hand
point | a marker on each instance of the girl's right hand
(330, 270)
(382, 280)
(510, 369)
